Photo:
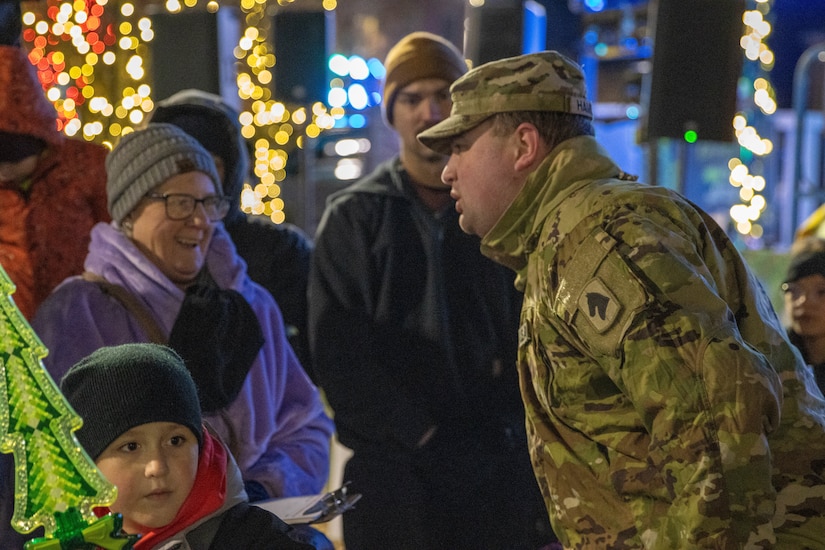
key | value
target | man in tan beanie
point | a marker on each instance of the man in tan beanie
(413, 334)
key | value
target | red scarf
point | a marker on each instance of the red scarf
(207, 494)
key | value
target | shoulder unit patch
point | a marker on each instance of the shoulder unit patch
(598, 305)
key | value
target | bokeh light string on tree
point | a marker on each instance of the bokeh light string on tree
(274, 128)
(758, 101)
(93, 56)
(90, 57)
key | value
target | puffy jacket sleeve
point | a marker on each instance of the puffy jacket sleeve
(78, 318)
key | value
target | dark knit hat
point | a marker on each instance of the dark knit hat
(804, 265)
(117, 388)
(416, 56)
(146, 158)
(16, 147)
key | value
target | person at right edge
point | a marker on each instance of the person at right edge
(803, 294)
(665, 405)
(413, 335)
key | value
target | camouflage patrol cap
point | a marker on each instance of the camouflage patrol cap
(543, 81)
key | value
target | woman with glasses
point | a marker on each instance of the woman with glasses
(165, 271)
(804, 298)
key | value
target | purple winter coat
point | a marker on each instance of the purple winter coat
(276, 428)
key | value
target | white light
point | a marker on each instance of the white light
(358, 68)
(739, 212)
(759, 202)
(364, 145)
(339, 65)
(337, 97)
(357, 97)
(758, 183)
(349, 169)
(346, 147)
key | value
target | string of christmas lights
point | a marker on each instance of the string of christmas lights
(759, 60)
(92, 58)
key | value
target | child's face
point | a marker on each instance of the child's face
(153, 467)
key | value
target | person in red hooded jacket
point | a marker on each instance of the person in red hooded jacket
(52, 188)
(52, 191)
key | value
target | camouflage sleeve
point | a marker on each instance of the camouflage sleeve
(706, 399)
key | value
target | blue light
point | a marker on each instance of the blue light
(632, 112)
(630, 43)
(357, 121)
(594, 5)
(342, 122)
(591, 37)
(534, 35)
(356, 83)
(377, 69)
(645, 49)
(600, 49)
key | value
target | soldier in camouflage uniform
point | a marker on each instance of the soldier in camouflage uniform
(665, 405)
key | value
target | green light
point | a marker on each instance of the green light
(691, 136)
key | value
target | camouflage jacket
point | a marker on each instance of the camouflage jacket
(665, 405)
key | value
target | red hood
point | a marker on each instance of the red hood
(22, 100)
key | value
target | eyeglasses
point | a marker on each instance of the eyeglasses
(796, 291)
(180, 206)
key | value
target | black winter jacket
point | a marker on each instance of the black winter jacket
(410, 326)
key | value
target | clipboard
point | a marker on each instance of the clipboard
(311, 508)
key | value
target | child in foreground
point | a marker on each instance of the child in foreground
(178, 486)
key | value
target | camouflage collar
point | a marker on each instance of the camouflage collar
(573, 164)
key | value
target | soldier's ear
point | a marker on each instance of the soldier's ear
(530, 147)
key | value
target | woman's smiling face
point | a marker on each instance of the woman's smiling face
(177, 247)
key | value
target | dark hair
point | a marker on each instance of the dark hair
(554, 127)
(807, 258)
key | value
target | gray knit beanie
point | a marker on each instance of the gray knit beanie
(117, 388)
(146, 158)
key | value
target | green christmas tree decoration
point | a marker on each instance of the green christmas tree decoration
(56, 484)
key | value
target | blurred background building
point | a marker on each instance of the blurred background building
(699, 96)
